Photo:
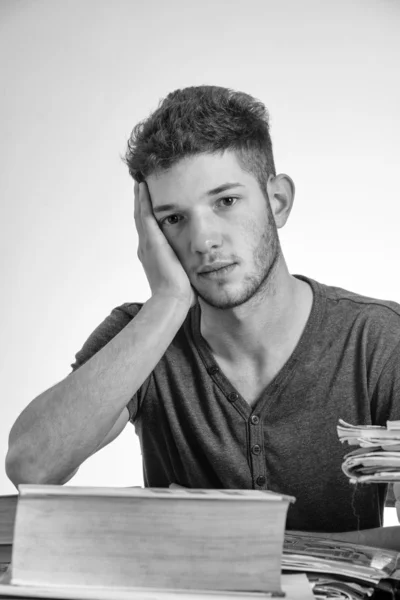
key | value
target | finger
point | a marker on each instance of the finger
(144, 212)
(138, 219)
(136, 200)
(143, 208)
(145, 201)
(149, 221)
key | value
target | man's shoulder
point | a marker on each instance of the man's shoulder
(355, 302)
(127, 309)
(114, 323)
(358, 320)
(362, 301)
(378, 315)
(118, 318)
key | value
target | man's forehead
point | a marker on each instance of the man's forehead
(223, 165)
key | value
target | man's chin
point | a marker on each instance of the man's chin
(224, 301)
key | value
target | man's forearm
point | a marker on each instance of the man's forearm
(63, 426)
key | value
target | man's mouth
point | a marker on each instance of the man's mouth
(218, 271)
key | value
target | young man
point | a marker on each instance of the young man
(234, 372)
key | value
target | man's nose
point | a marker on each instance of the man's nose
(205, 234)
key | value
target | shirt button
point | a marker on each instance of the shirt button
(254, 419)
(214, 369)
(233, 396)
(256, 449)
(261, 480)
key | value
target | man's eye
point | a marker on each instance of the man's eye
(166, 222)
(231, 200)
(228, 200)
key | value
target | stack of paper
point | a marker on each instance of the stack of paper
(378, 458)
(325, 588)
(338, 569)
(308, 553)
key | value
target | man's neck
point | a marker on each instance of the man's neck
(264, 326)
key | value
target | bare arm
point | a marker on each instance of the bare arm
(72, 420)
(119, 425)
(66, 424)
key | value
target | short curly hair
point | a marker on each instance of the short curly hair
(202, 119)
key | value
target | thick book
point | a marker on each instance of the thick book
(295, 587)
(181, 539)
(8, 506)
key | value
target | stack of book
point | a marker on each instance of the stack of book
(377, 460)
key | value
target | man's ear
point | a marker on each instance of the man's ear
(281, 191)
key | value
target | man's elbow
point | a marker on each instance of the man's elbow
(21, 467)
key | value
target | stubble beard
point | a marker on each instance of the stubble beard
(259, 283)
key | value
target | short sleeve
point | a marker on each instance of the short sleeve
(104, 333)
(386, 396)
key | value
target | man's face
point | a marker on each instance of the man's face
(205, 226)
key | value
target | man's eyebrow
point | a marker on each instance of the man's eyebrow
(213, 192)
(223, 187)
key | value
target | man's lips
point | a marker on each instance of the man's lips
(219, 271)
(214, 267)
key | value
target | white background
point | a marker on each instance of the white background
(75, 77)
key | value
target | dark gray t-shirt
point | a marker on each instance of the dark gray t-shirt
(197, 431)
